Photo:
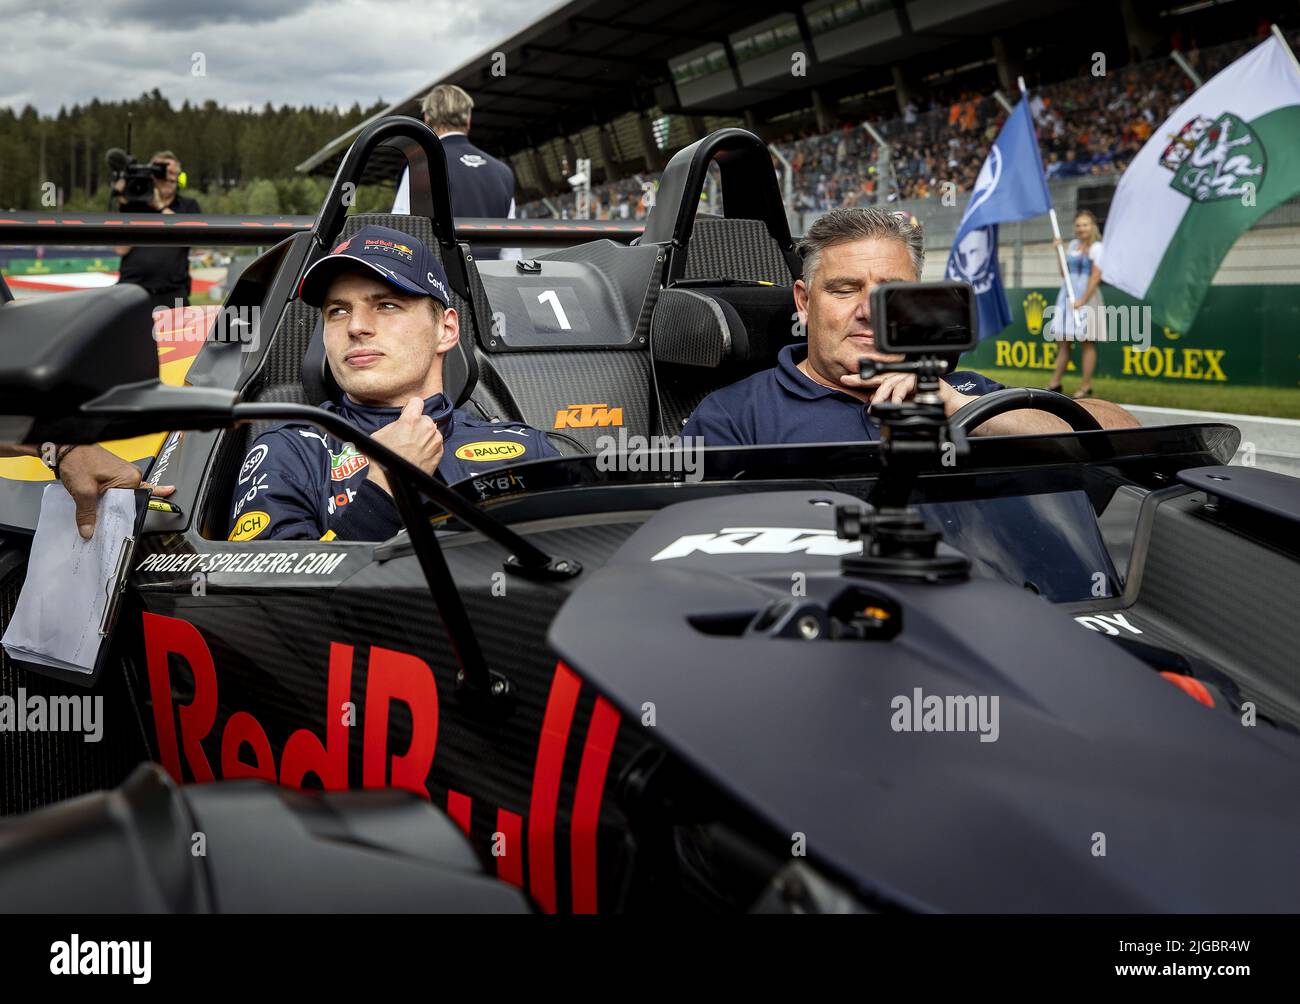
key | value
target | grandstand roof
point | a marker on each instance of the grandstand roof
(586, 62)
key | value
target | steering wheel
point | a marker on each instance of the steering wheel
(999, 402)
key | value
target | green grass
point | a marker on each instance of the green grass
(1277, 402)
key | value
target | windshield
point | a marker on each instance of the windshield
(1052, 514)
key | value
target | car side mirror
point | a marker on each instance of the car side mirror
(83, 367)
(58, 352)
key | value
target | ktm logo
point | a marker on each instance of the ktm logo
(587, 416)
(760, 540)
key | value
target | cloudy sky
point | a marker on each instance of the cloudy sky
(331, 52)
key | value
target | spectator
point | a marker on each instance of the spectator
(1086, 126)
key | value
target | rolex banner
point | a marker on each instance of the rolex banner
(1227, 155)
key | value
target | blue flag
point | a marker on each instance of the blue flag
(1011, 186)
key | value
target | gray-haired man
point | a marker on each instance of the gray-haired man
(813, 394)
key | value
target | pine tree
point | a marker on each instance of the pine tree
(225, 152)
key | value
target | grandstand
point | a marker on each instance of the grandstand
(1088, 127)
(627, 85)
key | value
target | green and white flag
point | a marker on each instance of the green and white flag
(1225, 157)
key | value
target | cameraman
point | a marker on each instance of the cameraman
(164, 272)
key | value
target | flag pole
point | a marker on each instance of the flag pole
(1065, 271)
(1277, 32)
(1056, 232)
(1186, 67)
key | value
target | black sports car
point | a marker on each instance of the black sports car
(622, 681)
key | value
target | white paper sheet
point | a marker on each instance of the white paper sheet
(61, 607)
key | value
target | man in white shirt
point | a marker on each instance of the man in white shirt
(481, 186)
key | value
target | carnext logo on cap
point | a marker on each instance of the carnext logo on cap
(436, 283)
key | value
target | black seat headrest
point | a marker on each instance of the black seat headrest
(735, 325)
(709, 326)
(319, 383)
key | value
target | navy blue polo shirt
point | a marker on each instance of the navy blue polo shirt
(481, 186)
(782, 405)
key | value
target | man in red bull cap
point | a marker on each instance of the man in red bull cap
(388, 323)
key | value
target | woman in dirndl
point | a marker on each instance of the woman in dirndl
(1088, 324)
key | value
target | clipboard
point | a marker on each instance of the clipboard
(114, 588)
(116, 584)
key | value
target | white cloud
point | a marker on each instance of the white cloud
(319, 52)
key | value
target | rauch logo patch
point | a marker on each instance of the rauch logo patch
(491, 451)
(250, 525)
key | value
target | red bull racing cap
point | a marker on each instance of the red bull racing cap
(399, 259)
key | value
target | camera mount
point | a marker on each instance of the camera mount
(915, 436)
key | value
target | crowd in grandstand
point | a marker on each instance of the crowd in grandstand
(1088, 125)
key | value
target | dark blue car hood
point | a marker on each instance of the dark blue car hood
(1095, 752)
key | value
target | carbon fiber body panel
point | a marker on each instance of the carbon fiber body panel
(690, 339)
(326, 665)
(689, 329)
(681, 389)
(546, 384)
(735, 249)
(541, 386)
(609, 288)
(708, 336)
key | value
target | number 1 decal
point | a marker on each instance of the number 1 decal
(548, 296)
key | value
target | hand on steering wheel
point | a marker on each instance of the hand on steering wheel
(999, 402)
